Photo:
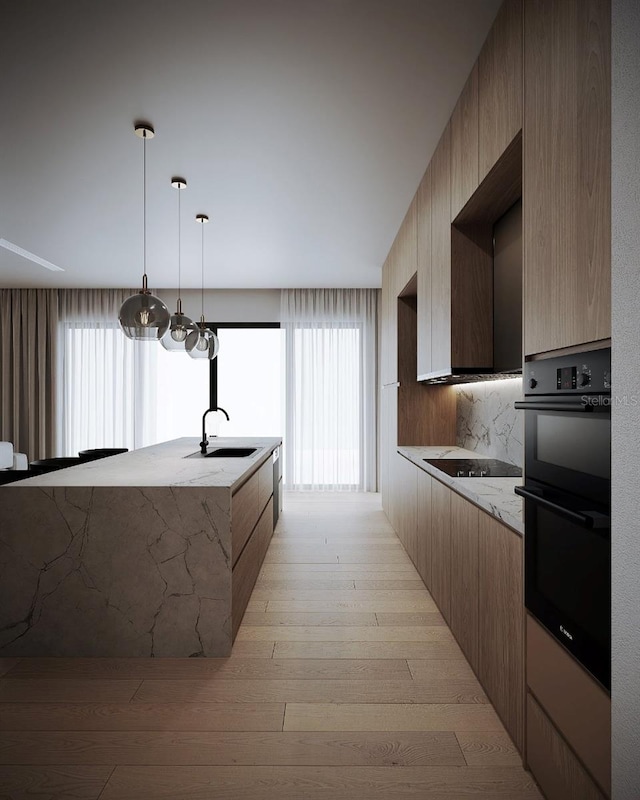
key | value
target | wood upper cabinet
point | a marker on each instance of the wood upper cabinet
(464, 145)
(501, 623)
(423, 225)
(500, 85)
(389, 322)
(464, 576)
(406, 248)
(441, 256)
(567, 173)
(424, 527)
(441, 547)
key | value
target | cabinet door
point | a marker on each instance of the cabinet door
(567, 173)
(394, 501)
(501, 623)
(441, 256)
(407, 244)
(500, 85)
(441, 547)
(464, 145)
(423, 223)
(424, 527)
(385, 393)
(407, 488)
(464, 576)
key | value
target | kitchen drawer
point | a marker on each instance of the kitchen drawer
(246, 569)
(553, 764)
(576, 704)
(265, 482)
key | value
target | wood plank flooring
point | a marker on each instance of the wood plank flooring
(345, 682)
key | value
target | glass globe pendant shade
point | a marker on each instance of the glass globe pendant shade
(202, 343)
(144, 317)
(179, 328)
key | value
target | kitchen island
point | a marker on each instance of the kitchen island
(148, 553)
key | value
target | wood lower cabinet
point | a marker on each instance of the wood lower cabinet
(566, 173)
(424, 527)
(501, 622)
(441, 547)
(464, 576)
(500, 89)
(245, 572)
(560, 774)
(406, 481)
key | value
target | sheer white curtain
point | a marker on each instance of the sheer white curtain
(330, 369)
(106, 380)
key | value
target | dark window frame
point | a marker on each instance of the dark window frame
(213, 365)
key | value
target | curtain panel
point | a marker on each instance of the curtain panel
(331, 398)
(106, 380)
(28, 354)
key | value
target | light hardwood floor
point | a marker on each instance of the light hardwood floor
(345, 682)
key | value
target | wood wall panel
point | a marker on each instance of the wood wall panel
(567, 173)
(500, 88)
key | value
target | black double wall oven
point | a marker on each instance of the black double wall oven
(567, 496)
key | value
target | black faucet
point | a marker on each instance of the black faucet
(205, 441)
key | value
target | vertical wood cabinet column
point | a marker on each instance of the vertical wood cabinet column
(441, 547)
(464, 145)
(567, 173)
(500, 85)
(424, 557)
(501, 623)
(464, 576)
(424, 259)
(441, 255)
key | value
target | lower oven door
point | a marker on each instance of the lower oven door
(568, 575)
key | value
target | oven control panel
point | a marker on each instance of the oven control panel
(582, 373)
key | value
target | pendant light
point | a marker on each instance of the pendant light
(143, 316)
(202, 342)
(180, 325)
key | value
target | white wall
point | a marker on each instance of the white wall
(227, 305)
(626, 417)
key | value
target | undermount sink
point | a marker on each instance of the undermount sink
(231, 452)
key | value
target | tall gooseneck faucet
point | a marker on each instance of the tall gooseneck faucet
(205, 441)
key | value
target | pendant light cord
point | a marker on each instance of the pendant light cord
(179, 249)
(202, 251)
(144, 206)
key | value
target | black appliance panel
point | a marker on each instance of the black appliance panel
(568, 577)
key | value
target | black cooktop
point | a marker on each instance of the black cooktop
(475, 467)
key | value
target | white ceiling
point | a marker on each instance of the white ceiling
(302, 127)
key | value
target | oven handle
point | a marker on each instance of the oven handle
(538, 405)
(586, 519)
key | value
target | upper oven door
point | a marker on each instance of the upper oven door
(568, 444)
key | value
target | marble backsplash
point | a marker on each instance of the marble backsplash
(487, 421)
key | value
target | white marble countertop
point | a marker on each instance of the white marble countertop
(494, 495)
(163, 465)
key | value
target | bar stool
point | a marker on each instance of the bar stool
(43, 465)
(101, 452)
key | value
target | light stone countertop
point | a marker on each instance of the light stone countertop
(493, 495)
(163, 465)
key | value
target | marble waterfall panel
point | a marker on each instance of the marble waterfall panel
(113, 571)
(487, 422)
